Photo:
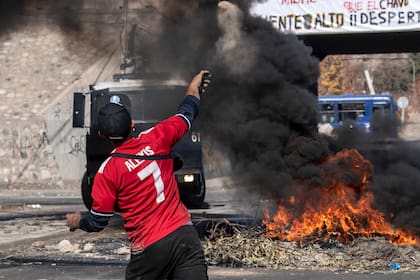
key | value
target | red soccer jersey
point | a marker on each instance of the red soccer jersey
(145, 190)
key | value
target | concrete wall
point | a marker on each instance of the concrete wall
(40, 67)
(68, 143)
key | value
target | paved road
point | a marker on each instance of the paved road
(115, 272)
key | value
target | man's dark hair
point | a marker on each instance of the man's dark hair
(114, 121)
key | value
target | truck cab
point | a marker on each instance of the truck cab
(150, 98)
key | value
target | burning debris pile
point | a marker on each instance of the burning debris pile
(242, 246)
(333, 226)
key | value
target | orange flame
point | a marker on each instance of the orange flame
(341, 209)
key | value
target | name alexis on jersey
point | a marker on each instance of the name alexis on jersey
(133, 163)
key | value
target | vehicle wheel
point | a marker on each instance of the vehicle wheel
(196, 201)
(87, 191)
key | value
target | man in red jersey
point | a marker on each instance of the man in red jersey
(164, 243)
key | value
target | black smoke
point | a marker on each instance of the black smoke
(16, 13)
(67, 15)
(10, 11)
(396, 182)
(259, 107)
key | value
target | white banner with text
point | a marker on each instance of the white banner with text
(340, 16)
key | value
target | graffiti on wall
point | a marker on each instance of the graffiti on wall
(25, 143)
(77, 145)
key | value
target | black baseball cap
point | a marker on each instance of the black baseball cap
(114, 121)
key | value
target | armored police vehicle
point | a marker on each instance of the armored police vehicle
(150, 98)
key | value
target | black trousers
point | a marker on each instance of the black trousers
(178, 256)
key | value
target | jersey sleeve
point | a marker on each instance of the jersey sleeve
(104, 197)
(171, 130)
(188, 109)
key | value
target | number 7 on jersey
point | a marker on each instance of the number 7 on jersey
(154, 170)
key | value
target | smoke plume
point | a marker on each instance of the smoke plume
(9, 11)
(259, 108)
(65, 14)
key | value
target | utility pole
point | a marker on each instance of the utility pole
(369, 82)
